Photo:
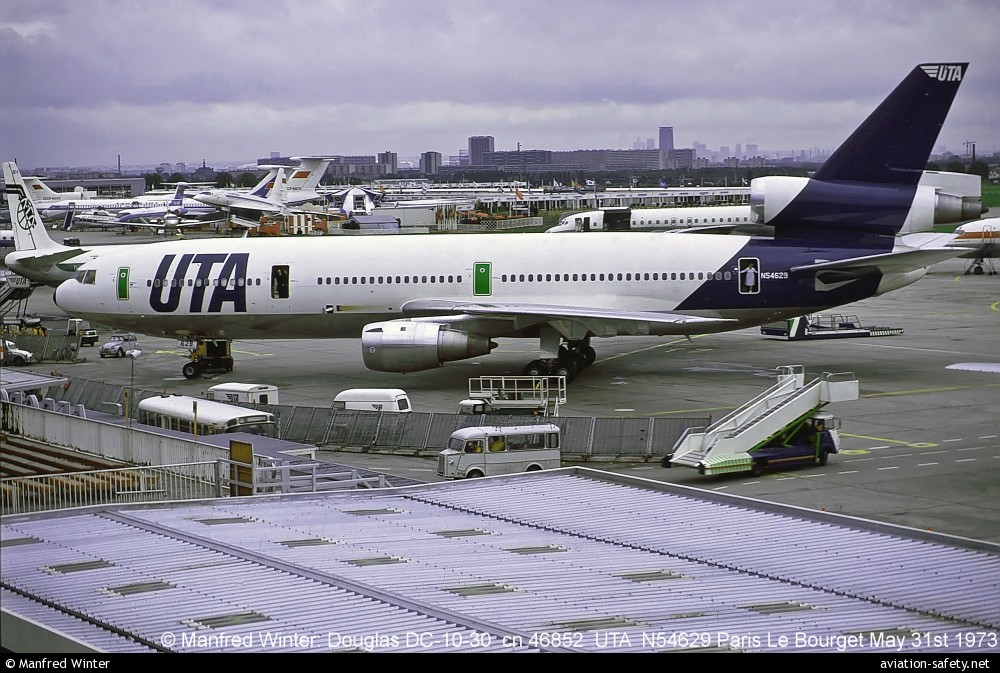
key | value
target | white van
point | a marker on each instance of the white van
(373, 399)
(251, 393)
(486, 451)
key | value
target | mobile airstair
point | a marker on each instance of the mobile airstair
(14, 292)
(727, 445)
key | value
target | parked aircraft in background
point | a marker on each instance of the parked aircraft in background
(179, 206)
(978, 240)
(281, 189)
(941, 198)
(700, 219)
(179, 210)
(419, 301)
(982, 238)
(137, 207)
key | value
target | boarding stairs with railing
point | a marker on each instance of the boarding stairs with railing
(761, 419)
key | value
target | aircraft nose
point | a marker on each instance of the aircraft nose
(63, 295)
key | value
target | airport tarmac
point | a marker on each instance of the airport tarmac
(921, 448)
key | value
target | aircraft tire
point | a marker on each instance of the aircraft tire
(566, 369)
(536, 368)
(589, 354)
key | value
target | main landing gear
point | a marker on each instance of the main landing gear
(573, 358)
(209, 356)
(976, 267)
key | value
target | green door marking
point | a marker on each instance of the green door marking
(123, 283)
(482, 280)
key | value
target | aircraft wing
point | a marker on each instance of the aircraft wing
(164, 225)
(600, 321)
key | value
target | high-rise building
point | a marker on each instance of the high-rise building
(666, 138)
(389, 161)
(478, 146)
(430, 163)
(666, 145)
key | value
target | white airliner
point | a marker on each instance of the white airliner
(139, 206)
(941, 198)
(277, 192)
(419, 301)
(179, 212)
(703, 219)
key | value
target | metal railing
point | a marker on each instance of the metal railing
(190, 481)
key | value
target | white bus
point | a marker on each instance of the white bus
(203, 417)
(485, 451)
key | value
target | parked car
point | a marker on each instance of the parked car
(119, 344)
(11, 355)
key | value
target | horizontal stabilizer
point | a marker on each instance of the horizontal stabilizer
(900, 260)
(51, 259)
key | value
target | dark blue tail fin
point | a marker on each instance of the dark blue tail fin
(862, 194)
(893, 144)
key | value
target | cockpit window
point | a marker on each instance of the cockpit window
(87, 277)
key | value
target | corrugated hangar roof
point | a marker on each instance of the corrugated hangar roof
(571, 559)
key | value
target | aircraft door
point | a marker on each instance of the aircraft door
(280, 281)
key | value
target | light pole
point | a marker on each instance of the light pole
(133, 355)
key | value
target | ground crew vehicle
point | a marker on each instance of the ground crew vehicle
(374, 399)
(486, 451)
(208, 356)
(783, 426)
(82, 329)
(515, 395)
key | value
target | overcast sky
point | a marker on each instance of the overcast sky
(187, 80)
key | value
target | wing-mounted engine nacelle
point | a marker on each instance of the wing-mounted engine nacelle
(180, 211)
(411, 346)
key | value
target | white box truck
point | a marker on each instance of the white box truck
(251, 393)
(373, 399)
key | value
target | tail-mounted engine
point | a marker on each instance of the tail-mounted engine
(411, 346)
(939, 199)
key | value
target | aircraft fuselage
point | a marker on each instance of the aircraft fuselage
(332, 286)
